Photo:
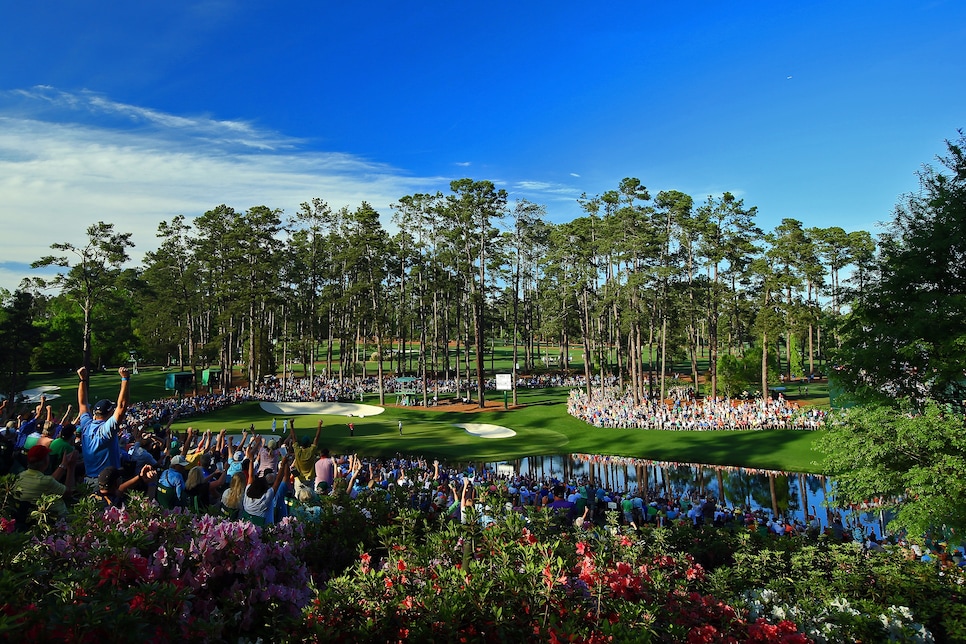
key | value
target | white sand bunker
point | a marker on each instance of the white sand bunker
(32, 396)
(332, 408)
(487, 431)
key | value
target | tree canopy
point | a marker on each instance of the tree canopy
(903, 354)
(911, 460)
(905, 336)
(639, 287)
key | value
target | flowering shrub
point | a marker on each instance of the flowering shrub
(838, 621)
(335, 527)
(141, 572)
(514, 582)
(378, 569)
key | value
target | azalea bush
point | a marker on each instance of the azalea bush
(379, 568)
(518, 580)
(158, 575)
(841, 592)
(335, 526)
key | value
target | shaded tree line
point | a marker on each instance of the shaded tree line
(638, 282)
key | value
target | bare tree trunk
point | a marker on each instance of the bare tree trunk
(764, 365)
(585, 324)
(663, 356)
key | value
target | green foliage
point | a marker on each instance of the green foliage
(739, 373)
(901, 453)
(91, 272)
(18, 335)
(905, 337)
(383, 571)
(141, 573)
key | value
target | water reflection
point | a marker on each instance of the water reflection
(786, 494)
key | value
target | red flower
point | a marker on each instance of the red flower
(401, 565)
(701, 634)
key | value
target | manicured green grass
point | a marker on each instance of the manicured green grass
(543, 427)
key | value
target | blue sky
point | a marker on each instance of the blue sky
(133, 112)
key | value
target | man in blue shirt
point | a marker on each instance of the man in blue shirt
(174, 477)
(99, 424)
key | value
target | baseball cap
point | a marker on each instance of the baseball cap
(37, 453)
(179, 460)
(109, 477)
(272, 444)
(239, 456)
(103, 407)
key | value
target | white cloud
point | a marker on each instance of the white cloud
(64, 165)
(547, 189)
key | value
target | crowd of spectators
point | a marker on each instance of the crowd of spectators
(322, 388)
(108, 450)
(619, 409)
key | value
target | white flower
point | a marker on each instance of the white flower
(840, 603)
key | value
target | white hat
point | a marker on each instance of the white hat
(179, 460)
(239, 456)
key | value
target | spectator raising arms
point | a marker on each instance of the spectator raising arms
(99, 425)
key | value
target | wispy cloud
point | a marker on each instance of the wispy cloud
(463, 164)
(96, 109)
(547, 189)
(70, 160)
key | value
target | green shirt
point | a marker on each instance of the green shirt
(31, 485)
(58, 447)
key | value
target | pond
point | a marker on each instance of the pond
(787, 494)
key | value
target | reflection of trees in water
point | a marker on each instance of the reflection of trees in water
(781, 494)
(737, 488)
(770, 491)
(679, 478)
